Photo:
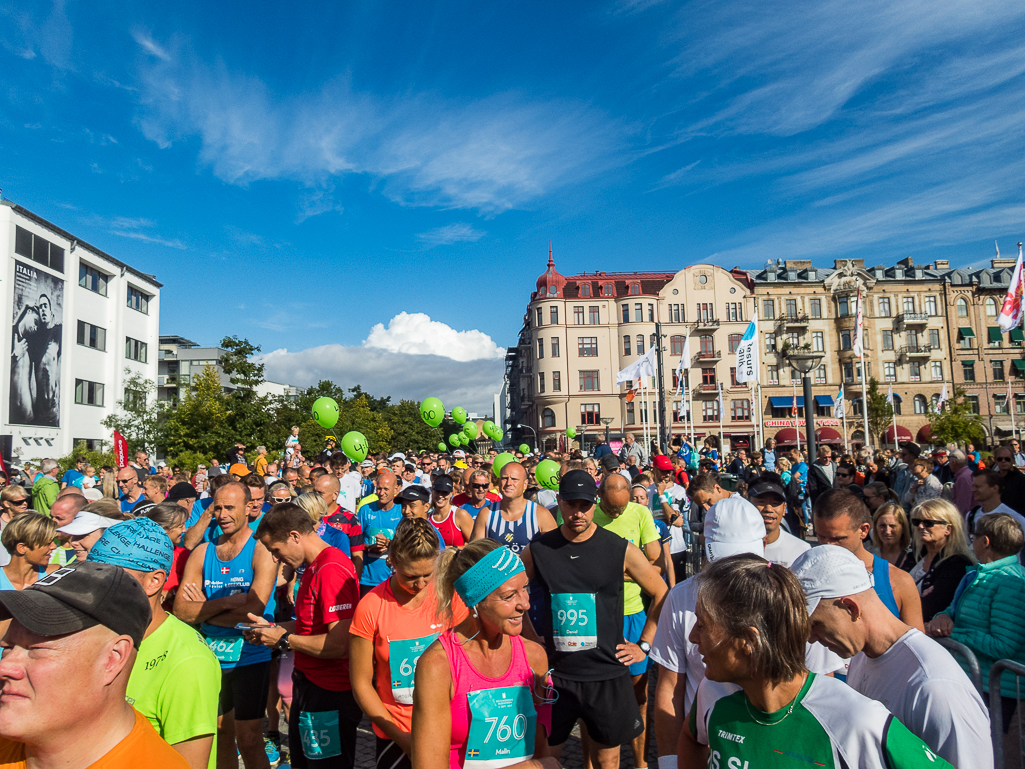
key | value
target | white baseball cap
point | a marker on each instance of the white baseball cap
(830, 571)
(733, 526)
(367, 463)
(86, 523)
(397, 456)
(459, 453)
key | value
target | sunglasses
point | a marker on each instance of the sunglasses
(126, 480)
(281, 499)
(916, 522)
(843, 475)
(479, 486)
(19, 501)
(1003, 459)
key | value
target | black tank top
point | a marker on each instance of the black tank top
(584, 585)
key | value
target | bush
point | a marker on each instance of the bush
(188, 461)
(95, 458)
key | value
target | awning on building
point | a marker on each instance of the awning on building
(828, 435)
(924, 435)
(824, 400)
(1018, 334)
(903, 434)
(966, 332)
(786, 437)
(995, 334)
(1019, 364)
(786, 401)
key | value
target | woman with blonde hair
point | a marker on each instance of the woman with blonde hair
(29, 538)
(941, 543)
(891, 534)
(109, 486)
(316, 507)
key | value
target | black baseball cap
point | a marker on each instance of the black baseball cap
(578, 484)
(413, 492)
(79, 597)
(442, 483)
(912, 448)
(182, 490)
(765, 488)
(610, 462)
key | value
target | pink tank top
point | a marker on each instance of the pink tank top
(467, 679)
(448, 530)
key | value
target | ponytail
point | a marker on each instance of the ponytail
(415, 539)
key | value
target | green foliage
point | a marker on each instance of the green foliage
(250, 417)
(956, 423)
(139, 416)
(188, 461)
(200, 423)
(95, 458)
(409, 431)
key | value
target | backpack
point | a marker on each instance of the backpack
(794, 491)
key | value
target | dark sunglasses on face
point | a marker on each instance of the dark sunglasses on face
(1003, 459)
(926, 523)
(19, 501)
(479, 486)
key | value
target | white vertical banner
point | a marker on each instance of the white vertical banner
(747, 354)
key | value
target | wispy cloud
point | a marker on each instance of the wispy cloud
(136, 229)
(149, 45)
(451, 233)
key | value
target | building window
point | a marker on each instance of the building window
(909, 304)
(972, 402)
(733, 377)
(998, 371)
(540, 316)
(553, 315)
(912, 338)
(638, 312)
(845, 340)
(590, 414)
(1000, 404)
(815, 307)
(734, 342)
(651, 313)
(631, 417)
(137, 300)
(39, 250)
(548, 418)
(651, 341)
(735, 311)
(607, 290)
(92, 279)
(706, 312)
(674, 313)
(896, 404)
(934, 338)
(968, 369)
(991, 307)
(818, 343)
(962, 308)
(592, 316)
(887, 340)
(707, 343)
(710, 411)
(768, 309)
(541, 383)
(135, 350)
(676, 345)
(884, 306)
(794, 339)
(540, 348)
(740, 410)
(588, 381)
(772, 374)
(890, 372)
(626, 344)
(578, 315)
(626, 313)
(556, 381)
(708, 375)
(587, 347)
(640, 344)
(937, 371)
(848, 372)
(996, 336)
(585, 289)
(930, 306)
(644, 412)
(555, 347)
(1019, 404)
(965, 342)
(92, 336)
(915, 371)
(88, 393)
(791, 308)
(635, 289)
(843, 306)
(770, 343)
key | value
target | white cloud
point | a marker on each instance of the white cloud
(149, 45)
(451, 233)
(416, 334)
(136, 229)
(471, 384)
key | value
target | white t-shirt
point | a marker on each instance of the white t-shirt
(923, 686)
(1001, 508)
(350, 487)
(785, 549)
(680, 503)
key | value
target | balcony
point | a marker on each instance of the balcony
(706, 323)
(707, 358)
(800, 320)
(706, 389)
(916, 351)
(913, 319)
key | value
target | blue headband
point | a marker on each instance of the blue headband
(487, 575)
(139, 544)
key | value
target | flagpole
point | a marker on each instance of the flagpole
(1010, 408)
(797, 424)
(757, 412)
(722, 437)
(846, 444)
(690, 416)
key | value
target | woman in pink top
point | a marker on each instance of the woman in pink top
(475, 699)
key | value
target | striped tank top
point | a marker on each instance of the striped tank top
(517, 534)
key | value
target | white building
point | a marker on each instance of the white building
(79, 319)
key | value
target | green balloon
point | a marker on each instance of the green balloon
(459, 415)
(501, 461)
(488, 428)
(571, 432)
(470, 430)
(354, 445)
(325, 412)
(548, 474)
(524, 448)
(497, 435)
(453, 440)
(442, 446)
(432, 411)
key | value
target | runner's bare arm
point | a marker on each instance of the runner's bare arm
(528, 562)
(480, 524)
(464, 522)
(908, 601)
(545, 520)
(196, 751)
(645, 575)
(361, 674)
(669, 690)
(690, 752)
(432, 714)
(190, 604)
(194, 536)
(357, 561)
(538, 659)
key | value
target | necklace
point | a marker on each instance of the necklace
(754, 718)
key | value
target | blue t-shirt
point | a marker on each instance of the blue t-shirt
(802, 468)
(70, 476)
(373, 521)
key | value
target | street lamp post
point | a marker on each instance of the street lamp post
(608, 421)
(804, 362)
(583, 438)
(536, 444)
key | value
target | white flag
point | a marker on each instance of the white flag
(943, 397)
(889, 395)
(679, 366)
(859, 328)
(720, 403)
(640, 368)
(838, 407)
(1011, 314)
(747, 354)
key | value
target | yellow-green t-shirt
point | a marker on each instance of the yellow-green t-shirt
(638, 527)
(176, 682)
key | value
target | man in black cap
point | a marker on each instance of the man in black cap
(184, 495)
(766, 493)
(76, 631)
(575, 565)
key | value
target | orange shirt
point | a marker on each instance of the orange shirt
(142, 747)
(400, 635)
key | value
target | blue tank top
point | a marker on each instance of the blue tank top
(220, 580)
(6, 584)
(881, 583)
(515, 535)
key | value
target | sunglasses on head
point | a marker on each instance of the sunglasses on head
(926, 522)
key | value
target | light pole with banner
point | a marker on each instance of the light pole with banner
(804, 362)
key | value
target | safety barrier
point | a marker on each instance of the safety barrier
(996, 715)
(974, 671)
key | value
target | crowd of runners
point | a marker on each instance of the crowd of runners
(788, 611)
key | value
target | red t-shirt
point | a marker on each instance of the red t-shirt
(461, 499)
(328, 592)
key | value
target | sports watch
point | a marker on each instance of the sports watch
(644, 646)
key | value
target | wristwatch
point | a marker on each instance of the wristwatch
(645, 647)
(282, 643)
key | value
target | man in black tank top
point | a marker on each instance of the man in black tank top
(580, 566)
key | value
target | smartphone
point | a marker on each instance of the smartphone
(248, 626)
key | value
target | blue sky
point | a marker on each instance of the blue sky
(301, 177)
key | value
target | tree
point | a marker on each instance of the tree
(250, 416)
(880, 412)
(957, 422)
(200, 423)
(139, 416)
(409, 431)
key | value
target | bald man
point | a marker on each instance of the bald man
(63, 512)
(378, 520)
(339, 528)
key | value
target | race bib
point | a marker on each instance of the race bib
(319, 734)
(371, 535)
(502, 723)
(402, 658)
(225, 648)
(574, 621)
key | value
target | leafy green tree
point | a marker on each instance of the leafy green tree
(374, 404)
(201, 421)
(957, 422)
(97, 459)
(880, 412)
(251, 417)
(357, 415)
(409, 431)
(139, 416)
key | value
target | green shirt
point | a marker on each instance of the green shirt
(636, 526)
(827, 725)
(175, 683)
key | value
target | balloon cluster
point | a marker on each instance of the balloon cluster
(432, 411)
(354, 444)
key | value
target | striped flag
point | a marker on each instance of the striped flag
(1011, 314)
(838, 407)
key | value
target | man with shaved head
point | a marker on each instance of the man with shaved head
(63, 512)
(378, 520)
(339, 527)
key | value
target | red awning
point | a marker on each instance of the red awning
(924, 435)
(903, 434)
(786, 436)
(828, 435)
